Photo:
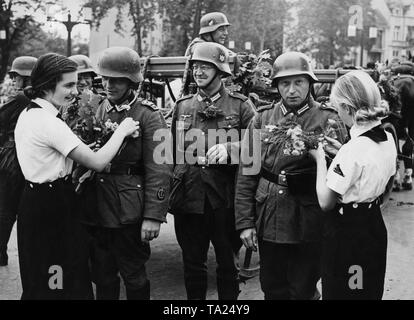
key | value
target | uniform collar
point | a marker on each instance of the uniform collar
(124, 105)
(299, 112)
(359, 129)
(202, 96)
(46, 105)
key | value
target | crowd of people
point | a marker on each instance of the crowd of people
(311, 215)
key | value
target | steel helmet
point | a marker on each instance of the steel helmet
(23, 66)
(292, 64)
(213, 53)
(210, 22)
(83, 62)
(120, 62)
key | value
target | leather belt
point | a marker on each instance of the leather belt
(279, 179)
(121, 169)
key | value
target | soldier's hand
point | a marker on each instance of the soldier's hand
(332, 146)
(217, 154)
(249, 238)
(150, 230)
(128, 126)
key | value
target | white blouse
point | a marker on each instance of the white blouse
(362, 168)
(43, 143)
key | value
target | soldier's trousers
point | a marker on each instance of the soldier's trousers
(290, 271)
(194, 233)
(120, 251)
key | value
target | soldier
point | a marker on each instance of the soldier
(127, 203)
(213, 28)
(203, 191)
(11, 178)
(86, 73)
(277, 209)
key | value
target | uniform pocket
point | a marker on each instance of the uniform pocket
(131, 199)
(229, 122)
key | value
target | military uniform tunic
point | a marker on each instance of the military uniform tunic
(280, 214)
(194, 183)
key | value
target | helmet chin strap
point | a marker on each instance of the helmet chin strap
(305, 102)
(211, 81)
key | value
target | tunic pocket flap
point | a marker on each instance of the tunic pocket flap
(228, 123)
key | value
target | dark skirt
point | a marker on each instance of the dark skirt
(53, 247)
(354, 253)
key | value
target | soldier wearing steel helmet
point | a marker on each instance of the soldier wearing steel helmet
(129, 201)
(86, 72)
(11, 178)
(277, 210)
(213, 28)
(203, 186)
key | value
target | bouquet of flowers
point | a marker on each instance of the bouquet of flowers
(93, 132)
(295, 140)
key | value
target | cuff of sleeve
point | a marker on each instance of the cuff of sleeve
(240, 226)
(70, 147)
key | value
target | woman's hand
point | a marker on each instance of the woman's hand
(332, 146)
(319, 153)
(129, 127)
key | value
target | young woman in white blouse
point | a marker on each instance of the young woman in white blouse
(51, 244)
(355, 245)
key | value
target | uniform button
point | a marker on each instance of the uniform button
(203, 167)
(266, 140)
(31, 186)
(281, 192)
(284, 179)
(102, 180)
(341, 211)
(50, 186)
(283, 172)
(370, 206)
(355, 205)
(229, 125)
(139, 186)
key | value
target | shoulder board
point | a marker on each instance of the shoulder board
(148, 104)
(237, 95)
(328, 107)
(189, 96)
(266, 107)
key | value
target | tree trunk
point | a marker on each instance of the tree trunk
(135, 11)
(197, 17)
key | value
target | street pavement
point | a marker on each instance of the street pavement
(165, 265)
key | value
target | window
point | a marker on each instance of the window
(395, 53)
(397, 12)
(397, 30)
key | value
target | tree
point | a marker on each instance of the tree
(322, 28)
(259, 22)
(141, 12)
(17, 27)
(183, 18)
